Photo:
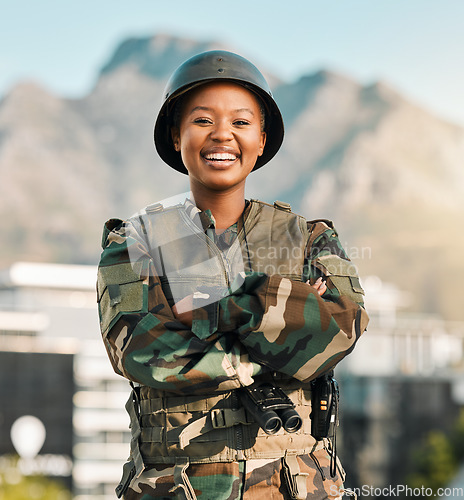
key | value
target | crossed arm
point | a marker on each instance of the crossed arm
(268, 323)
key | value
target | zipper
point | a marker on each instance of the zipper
(238, 429)
(210, 243)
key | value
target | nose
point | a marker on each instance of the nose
(221, 131)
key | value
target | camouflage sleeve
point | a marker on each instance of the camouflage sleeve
(144, 341)
(327, 258)
(286, 326)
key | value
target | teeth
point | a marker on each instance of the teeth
(220, 156)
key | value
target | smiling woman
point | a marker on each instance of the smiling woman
(227, 315)
(219, 137)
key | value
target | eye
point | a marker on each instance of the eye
(202, 121)
(241, 123)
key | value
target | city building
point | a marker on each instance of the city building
(53, 366)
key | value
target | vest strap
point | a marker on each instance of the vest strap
(128, 472)
(182, 486)
(132, 410)
(296, 480)
(219, 418)
(175, 404)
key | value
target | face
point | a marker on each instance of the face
(219, 135)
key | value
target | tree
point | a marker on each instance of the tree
(15, 486)
(437, 460)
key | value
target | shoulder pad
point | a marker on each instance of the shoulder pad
(154, 207)
(278, 205)
(108, 227)
(317, 227)
(327, 222)
(110, 224)
(281, 205)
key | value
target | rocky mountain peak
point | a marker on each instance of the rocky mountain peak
(330, 76)
(323, 89)
(155, 56)
(381, 92)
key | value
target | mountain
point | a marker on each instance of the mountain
(387, 172)
(53, 173)
(155, 57)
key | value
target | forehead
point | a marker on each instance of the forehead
(220, 94)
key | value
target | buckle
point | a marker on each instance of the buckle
(218, 419)
(226, 417)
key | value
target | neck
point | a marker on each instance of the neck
(226, 206)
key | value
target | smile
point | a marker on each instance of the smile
(220, 157)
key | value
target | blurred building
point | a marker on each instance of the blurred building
(399, 343)
(404, 379)
(394, 386)
(53, 366)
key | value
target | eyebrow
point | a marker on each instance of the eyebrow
(205, 108)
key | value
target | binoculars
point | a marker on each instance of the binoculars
(271, 408)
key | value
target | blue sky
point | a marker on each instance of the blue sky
(415, 45)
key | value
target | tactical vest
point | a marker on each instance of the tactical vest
(272, 240)
(167, 428)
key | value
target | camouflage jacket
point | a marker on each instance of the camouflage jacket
(266, 323)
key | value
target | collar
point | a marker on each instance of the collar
(205, 220)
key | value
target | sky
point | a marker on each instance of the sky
(416, 46)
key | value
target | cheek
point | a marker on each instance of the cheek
(190, 140)
(256, 143)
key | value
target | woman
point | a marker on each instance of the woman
(206, 307)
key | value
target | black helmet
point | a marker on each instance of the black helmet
(204, 68)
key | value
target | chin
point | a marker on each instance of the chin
(222, 181)
(221, 186)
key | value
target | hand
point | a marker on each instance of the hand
(319, 285)
(183, 310)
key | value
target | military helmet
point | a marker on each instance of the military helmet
(204, 68)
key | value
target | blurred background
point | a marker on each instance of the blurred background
(371, 94)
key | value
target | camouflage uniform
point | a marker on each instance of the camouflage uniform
(267, 323)
(248, 480)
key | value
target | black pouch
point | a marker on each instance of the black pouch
(128, 473)
(324, 413)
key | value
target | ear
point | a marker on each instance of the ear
(262, 143)
(175, 136)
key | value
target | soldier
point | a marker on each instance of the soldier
(207, 301)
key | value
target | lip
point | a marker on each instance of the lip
(220, 164)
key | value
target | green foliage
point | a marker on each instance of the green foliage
(15, 486)
(457, 436)
(436, 462)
